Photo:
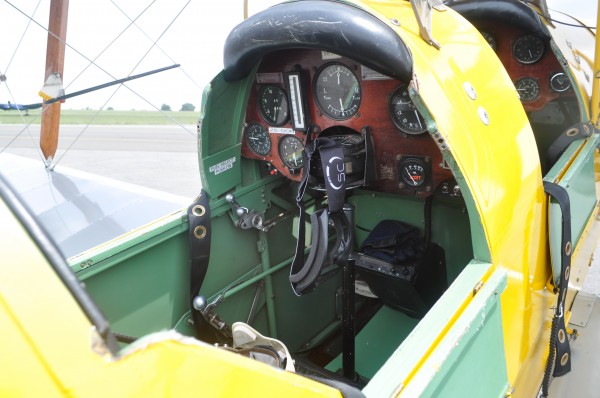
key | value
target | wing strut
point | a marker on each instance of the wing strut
(55, 61)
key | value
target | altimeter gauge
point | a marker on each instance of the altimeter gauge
(404, 112)
(258, 139)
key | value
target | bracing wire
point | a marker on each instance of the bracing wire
(10, 92)
(98, 66)
(92, 62)
(118, 87)
(157, 46)
(21, 39)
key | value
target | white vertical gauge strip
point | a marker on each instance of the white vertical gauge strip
(296, 99)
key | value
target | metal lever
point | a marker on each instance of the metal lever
(246, 218)
(210, 315)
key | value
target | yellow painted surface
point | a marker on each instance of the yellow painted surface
(46, 348)
(47, 338)
(499, 162)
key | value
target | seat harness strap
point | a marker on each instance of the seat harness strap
(303, 275)
(559, 357)
(199, 246)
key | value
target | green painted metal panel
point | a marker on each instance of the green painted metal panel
(142, 284)
(220, 126)
(470, 360)
(222, 171)
(417, 345)
(579, 181)
(378, 340)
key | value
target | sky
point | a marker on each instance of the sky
(194, 40)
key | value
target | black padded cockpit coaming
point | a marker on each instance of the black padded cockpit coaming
(507, 11)
(326, 25)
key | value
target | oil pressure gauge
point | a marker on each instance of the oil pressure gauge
(414, 172)
(559, 82)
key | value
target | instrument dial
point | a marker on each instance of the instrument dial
(528, 49)
(413, 172)
(559, 82)
(290, 151)
(404, 113)
(273, 105)
(337, 91)
(528, 88)
(258, 139)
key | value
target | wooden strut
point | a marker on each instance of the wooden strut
(55, 57)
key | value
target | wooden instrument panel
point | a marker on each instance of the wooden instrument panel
(391, 146)
(541, 71)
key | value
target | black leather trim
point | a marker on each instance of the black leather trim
(326, 25)
(510, 12)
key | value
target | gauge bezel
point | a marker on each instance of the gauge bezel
(537, 83)
(559, 90)
(522, 40)
(263, 112)
(394, 118)
(282, 158)
(265, 134)
(322, 107)
(425, 167)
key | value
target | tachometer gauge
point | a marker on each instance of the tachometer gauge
(528, 49)
(337, 91)
(273, 105)
(490, 39)
(528, 88)
(559, 82)
(404, 113)
(258, 139)
(290, 151)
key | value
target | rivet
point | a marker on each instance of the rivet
(483, 115)
(470, 90)
(394, 21)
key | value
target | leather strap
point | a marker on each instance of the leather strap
(576, 132)
(199, 246)
(303, 275)
(559, 339)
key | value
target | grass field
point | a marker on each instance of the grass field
(104, 117)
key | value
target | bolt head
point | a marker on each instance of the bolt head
(199, 303)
